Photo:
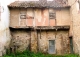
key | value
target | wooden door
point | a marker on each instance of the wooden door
(51, 47)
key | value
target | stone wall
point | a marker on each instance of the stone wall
(38, 41)
(62, 43)
(20, 40)
(34, 41)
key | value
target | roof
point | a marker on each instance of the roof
(39, 4)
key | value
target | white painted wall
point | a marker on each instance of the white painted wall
(4, 26)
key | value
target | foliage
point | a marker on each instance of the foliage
(39, 54)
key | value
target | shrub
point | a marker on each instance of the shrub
(39, 54)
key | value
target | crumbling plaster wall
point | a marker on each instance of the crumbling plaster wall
(20, 40)
(75, 16)
(14, 14)
(40, 17)
(63, 17)
(37, 41)
(62, 43)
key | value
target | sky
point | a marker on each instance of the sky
(35, 0)
(20, 0)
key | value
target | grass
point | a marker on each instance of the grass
(32, 54)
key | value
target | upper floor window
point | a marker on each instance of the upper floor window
(23, 15)
(52, 15)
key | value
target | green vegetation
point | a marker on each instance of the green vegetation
(32, 54)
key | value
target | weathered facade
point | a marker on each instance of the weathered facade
(41, 26)
(75, 16)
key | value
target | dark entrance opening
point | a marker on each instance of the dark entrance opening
(71, 45)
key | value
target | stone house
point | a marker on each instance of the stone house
(41, 26)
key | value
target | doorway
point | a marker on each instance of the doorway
(71, 45)
(51, 49)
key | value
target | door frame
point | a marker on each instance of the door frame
(71, 45)
(54, 52)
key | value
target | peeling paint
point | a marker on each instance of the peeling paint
(40, 17)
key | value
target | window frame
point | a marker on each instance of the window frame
(23, 14)
(53, 45)
(52, 15)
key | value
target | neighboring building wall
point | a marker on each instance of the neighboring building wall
(75, 16)
(4, 27)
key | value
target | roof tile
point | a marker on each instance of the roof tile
(40, 3)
